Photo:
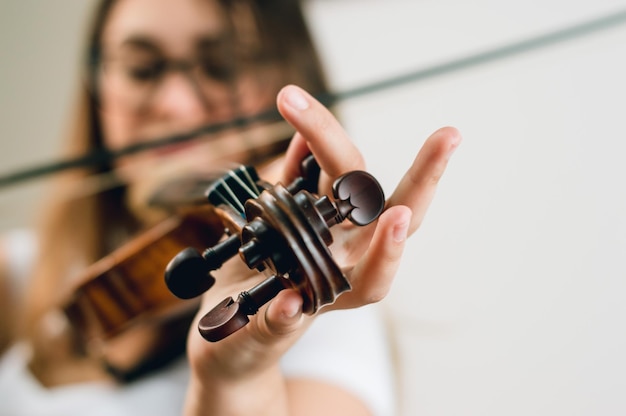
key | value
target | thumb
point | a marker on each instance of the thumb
(282, 318)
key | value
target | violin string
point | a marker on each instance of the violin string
(239, 206)
(226, 200)
(245, 186)
(251, 181)
(103, 156)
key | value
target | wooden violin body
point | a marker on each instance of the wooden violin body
(284, 230)
(121, 316)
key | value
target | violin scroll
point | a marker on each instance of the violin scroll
(285, 230)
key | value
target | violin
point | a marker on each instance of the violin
(283, 230)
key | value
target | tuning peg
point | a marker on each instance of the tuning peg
(230, 315)
(309, 180)
(188, 275)
(359, 197)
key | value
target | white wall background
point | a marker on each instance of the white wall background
(511, 299)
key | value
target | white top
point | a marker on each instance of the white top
(347, 348)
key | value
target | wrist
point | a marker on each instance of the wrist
(263, 393)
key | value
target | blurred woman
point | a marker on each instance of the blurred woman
(167, 67)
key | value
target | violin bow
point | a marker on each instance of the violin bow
(329, 98)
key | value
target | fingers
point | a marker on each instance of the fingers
(372, 276)
(320, 132)
(275, 328)
(417, 187)
(319, 129)
(256, 346)
(282, 317)
(297, 151)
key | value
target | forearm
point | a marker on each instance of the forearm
(272, 395)
(264, 393)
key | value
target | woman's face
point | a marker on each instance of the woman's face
(168, 66)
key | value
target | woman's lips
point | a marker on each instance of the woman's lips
(173, 148)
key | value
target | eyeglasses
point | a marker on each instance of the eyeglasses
(133, 80)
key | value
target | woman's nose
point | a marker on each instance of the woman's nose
(179, 96)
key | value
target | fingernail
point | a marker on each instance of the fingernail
(453, 146)
(292, 308)
(296, 99)
(400, 231)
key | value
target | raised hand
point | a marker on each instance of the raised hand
(370, 255)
